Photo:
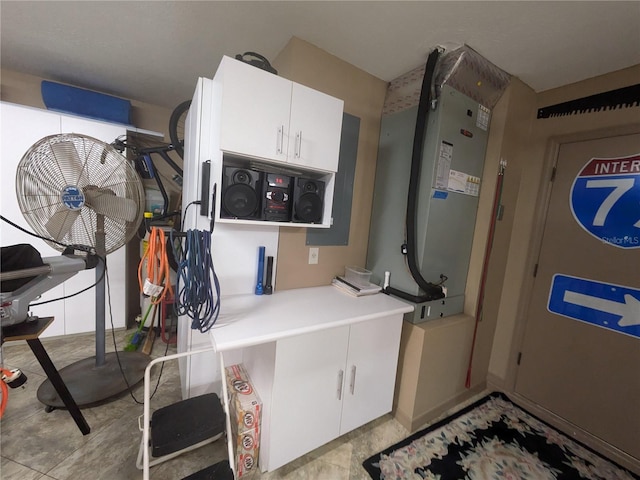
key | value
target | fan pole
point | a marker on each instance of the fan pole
(103, 377)
(99, 194)
(100, 292)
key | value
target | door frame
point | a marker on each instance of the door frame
(543, 197)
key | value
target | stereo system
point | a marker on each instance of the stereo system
(271, 197)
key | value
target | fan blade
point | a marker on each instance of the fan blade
(61, 222)
(104, 202)
(72, 168)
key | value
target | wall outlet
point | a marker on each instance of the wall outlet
(313, 255)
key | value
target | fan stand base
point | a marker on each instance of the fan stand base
(90, 384)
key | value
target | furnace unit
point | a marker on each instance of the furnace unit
(448, 185)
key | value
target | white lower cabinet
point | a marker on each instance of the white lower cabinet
(325, 384)
(307, 395)
(370, 377)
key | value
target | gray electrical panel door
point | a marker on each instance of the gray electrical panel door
(449, 185)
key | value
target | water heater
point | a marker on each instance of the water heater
(448, 187)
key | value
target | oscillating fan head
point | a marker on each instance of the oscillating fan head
(78, 190)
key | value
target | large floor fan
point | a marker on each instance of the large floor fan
(78, 190)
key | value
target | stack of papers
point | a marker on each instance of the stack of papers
(354, 289)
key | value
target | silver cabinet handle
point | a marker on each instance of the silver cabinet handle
(279, 139)
(298, 145)
(339, 389)
(352, 383)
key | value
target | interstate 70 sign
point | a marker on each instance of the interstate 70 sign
(605, 200)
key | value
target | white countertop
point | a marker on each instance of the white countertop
(247, 320)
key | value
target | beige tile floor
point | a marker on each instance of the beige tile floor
(35, 444)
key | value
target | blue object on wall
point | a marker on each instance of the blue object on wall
(614, 307)
(68, 99)
(605, 197)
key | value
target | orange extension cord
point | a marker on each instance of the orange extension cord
(5, 391)
(157, 262)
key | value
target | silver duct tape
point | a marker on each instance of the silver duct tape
(461, 68)
(470, 73)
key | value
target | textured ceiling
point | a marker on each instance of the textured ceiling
(154, 51)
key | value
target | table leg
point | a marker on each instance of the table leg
(56, 380)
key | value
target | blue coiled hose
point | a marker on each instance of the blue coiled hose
(196, 281)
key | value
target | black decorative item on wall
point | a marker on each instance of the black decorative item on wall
(621, 97)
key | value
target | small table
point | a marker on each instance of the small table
(31, 331)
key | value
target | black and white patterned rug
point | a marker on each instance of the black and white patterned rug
(489, 440)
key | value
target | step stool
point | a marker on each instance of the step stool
(181, 427)
(219, 471)
(184, 426)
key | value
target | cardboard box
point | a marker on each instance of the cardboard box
(247, 449)
(246, 414)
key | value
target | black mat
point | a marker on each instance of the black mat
(492, 439)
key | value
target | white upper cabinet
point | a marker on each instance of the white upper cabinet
(255, 111)
(315, 128)
(267, 117)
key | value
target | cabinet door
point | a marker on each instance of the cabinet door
(370, 371)
(255, 111)
(21, 128)
(80, 310)
(316, 125)
(307, 393)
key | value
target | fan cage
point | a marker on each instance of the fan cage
(108, 210)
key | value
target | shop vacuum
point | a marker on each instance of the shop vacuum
(428, 179)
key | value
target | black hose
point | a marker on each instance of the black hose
(432, 291)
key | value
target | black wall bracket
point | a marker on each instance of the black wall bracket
(621, 97)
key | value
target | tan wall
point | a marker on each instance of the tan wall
(24, 89)
(510, 129)
(363, 95)
(534, 157)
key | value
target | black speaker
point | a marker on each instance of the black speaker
(277, 197)
(308, 200)
(241, 193)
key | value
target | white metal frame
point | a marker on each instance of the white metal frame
(146, 462)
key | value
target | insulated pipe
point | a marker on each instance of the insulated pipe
(432, 291)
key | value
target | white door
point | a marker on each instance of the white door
(21, 128)
(255, 111)
(581, 349)
(371, 371)
(307, 393)
(316, 125)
